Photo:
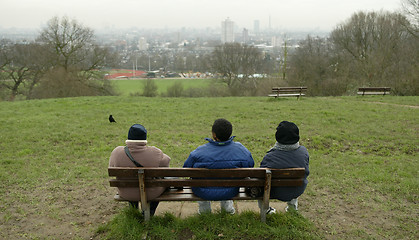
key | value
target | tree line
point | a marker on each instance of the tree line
(62, 62)
(369, 49)
(374, 49)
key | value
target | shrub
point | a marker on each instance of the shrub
(58, 83)
(150, 88)
(175, 90)
(196, 92)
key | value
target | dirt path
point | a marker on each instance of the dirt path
(76, 213)
(397, 105)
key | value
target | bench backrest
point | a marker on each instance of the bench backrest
(289, 89)
(379, 89)
(201, 177)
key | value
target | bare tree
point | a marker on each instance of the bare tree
(372, 44)
(369, 49)
(410, 9)
(237, 64)
(68, 42)
(22, 66)
(315, 64)
(71, 51)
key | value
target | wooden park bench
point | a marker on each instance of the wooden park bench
(179, 181)
(373, 91)
(288, 92)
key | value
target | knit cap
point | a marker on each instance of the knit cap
(287, 133)
(137, 132)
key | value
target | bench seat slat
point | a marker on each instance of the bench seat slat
(188, 190)
(192, 197)
(286, 95)
(200, 172)
(373, 93)
(204, 182)
(187, 195)
(186, 182)
(223, 183)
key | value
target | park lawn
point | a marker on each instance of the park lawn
(363, 160)
(134, 86)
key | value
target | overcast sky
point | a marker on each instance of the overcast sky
(284, 14)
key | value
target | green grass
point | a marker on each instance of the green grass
(127, 87)
(363, 160)
(221, 225)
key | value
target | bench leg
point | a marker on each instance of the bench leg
(263, 210)
(266, 195)
(145, 207)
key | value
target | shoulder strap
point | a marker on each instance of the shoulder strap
(131, 158)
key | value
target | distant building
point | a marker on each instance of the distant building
(256, 27)
(227, 31)
(245, 35)
(142, 44)
(276, 41)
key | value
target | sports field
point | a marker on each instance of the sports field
(133, 86)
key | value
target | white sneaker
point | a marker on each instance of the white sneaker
(288, 207)
(232, 212)
(271, 210)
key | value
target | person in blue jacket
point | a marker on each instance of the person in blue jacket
(287, 153)
(220, 152)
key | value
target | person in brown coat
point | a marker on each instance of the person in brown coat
(143, 156)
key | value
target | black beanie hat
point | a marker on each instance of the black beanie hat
(137, 132)
(287, 133)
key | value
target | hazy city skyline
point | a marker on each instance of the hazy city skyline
(322, 15)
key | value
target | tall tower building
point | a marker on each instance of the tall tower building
(276, 41)
(256, 27)
(245, 35)
(142, 44)
(227, 31)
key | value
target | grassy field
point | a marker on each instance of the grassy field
(363, 160)
(127, 87)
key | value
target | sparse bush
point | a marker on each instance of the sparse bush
(59, 83)
(218, 90)
(195, 92)
(150, 88)
(135, 94)
(175, 90)
(3, 93)
(264, 85)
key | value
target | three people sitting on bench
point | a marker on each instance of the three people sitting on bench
(220, 152)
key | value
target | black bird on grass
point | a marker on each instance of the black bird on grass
(111, 119)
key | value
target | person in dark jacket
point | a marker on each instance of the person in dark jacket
(287, 153)
(220, 152)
